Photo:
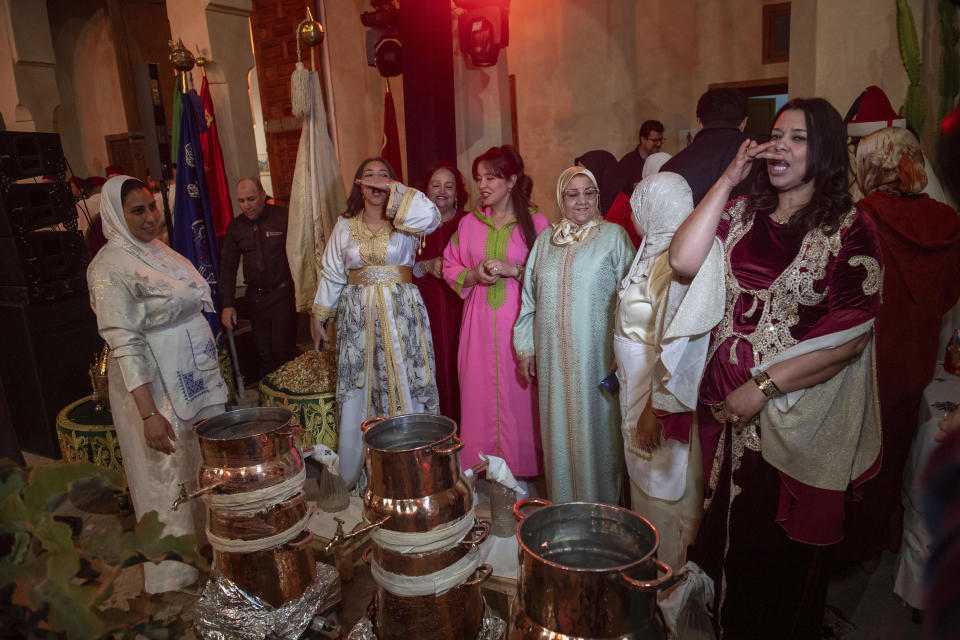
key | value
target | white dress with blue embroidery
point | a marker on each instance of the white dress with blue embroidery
(157, 334)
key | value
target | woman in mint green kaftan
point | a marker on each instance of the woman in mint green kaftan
(564, 336)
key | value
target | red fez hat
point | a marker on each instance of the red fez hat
(873, 113)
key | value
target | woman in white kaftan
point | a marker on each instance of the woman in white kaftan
(163, 368)
(385, 364)
(661, 341)
(564, 334)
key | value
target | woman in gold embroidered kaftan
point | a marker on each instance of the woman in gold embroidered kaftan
(788, 412)
(385, 363)
(564, 336)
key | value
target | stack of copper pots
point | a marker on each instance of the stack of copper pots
(252, 475)
(416, 488)
(587, 570)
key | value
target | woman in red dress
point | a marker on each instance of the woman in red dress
(444, 185)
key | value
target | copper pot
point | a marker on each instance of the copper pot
(587, 570)
(277, 575)
(421, 564)
(245, 525)
(454, 615)
(413, 472)
(246, 449)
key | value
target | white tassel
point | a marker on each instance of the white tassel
(300, 92)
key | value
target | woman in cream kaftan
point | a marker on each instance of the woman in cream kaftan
(149, 302)
(661, 339)
(566, 323)
(385, 364)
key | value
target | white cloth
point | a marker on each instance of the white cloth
(316, 196)
(652, 164)
(499, 471)
(844, 410)
(148, 301)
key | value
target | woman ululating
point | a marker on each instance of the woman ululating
(163, 368)
(564, 338)
(790, 373)
(484, 263)
(444, 186)
(385, 363)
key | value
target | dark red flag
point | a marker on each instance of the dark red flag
(216, 176)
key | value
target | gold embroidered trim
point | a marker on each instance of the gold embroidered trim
(371, 246)
(874, 278)
(794, 286)
(323, 313)
(402, 209)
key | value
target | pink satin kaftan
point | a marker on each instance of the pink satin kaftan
(498, 409)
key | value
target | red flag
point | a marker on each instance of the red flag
(390, 149)
(217, 187)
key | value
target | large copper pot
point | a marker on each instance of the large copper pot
(421, 564)
(255, 525)
(413, 473)
(454, 615)
(276, 575)
(246, 449)
(587, 570)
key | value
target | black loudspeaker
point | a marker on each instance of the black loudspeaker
(36, 257)
(28, 207)
(47, 350)
(28, 155)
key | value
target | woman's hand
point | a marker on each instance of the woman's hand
(383, 184)
(950, 423)
(318, 331)
(739, 168)
(648, 430)
(743, 403)
(484, 276)
(501, 268)
(433, 267)
(528, 368)
(159, 433)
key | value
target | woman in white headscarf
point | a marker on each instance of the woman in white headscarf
(163, 368)
(564, 337)
(661, 340)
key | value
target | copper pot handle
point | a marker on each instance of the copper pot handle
(481, 526)
(485, 572)
(526, 502)
(457, 445)
(650, 585)
(370, 422)
(365, 556)
(297, 545)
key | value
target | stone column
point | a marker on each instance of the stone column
(28, 67)
(221, 30)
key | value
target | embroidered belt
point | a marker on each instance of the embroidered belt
(381, 274)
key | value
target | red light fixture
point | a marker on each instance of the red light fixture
(484, 30)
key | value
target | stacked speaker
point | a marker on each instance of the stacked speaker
(48, 333)
(42, 255)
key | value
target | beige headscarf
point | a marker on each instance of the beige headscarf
(154, 253)
(567, 231)
(891, 157)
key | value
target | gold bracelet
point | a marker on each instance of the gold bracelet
(520, 269)
(767, 386)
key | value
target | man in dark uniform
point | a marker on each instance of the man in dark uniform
(259, 236)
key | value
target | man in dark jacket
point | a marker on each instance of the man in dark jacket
(259, 236)
(721, 116)
(631, 165)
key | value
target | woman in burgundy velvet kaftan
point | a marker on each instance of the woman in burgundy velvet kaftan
(788, 408)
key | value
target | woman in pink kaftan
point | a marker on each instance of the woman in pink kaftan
(484, 263)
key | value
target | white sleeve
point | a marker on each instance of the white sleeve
(333, 273)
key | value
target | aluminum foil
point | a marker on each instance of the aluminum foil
(226, 612)
(493, 627)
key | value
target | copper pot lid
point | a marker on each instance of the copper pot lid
(243, 423)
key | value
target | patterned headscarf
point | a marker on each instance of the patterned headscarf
(154, 253)
(890, 157)
(567, 231)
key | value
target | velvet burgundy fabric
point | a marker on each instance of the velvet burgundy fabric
(445, 310)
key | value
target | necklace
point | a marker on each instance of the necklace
(778, 220)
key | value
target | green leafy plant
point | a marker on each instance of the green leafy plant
(913, 108)
(57, 581)
(949, 57)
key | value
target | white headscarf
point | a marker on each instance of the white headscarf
(154, 253)
(652, 164)
(567, 231)
(660, 204)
